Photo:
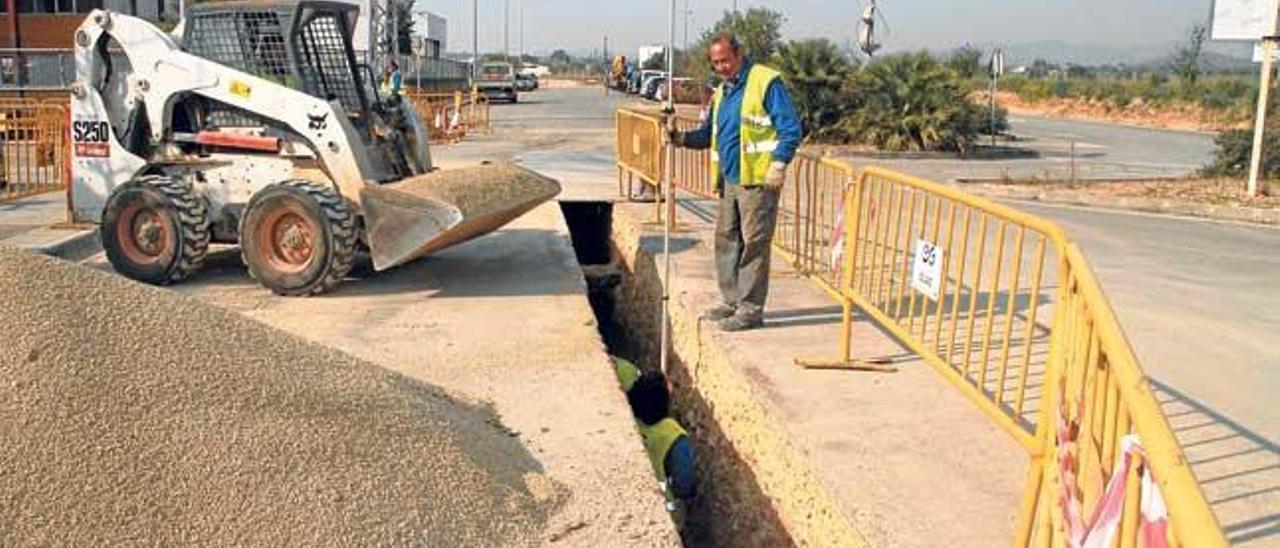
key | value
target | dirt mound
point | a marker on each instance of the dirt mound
(132, 415)
(1187, 117)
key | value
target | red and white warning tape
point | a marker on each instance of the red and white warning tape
(1100, 529)
(837, 235)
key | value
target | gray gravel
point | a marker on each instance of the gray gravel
(132, 415)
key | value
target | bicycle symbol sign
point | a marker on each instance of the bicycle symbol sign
(926, 271)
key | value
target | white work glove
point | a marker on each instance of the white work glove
(673, 132)
(777, 176)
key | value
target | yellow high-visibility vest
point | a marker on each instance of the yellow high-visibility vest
(756, 135)
(627, 373)
(658, 440)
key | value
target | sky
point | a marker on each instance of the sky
(581, 25)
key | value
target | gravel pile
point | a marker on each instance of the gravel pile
(484, 190)
(133, 415)
(486, 197)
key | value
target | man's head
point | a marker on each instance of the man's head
(395, 66)
(650, 401)
(726, 55)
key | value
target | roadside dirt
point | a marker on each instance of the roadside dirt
(1137, 113)
(1219, 192)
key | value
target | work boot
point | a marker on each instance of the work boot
(720, 312)
(741, 321)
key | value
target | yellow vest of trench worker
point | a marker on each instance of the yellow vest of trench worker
(658, 440)
(758, 139)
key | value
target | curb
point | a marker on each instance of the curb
(980, 152)
(67, 244)
(1239, 214)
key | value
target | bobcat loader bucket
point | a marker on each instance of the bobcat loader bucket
(424, 214)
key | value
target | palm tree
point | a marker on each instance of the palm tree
(911, 102)
(815, 72)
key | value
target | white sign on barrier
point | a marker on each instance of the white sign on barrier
(926, 272)
(1257, 54)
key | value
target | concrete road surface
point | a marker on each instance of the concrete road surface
(1101, 151)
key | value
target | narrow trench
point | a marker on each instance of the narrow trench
(730, 509)
(591, 227)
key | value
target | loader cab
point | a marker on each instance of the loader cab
(302, 44)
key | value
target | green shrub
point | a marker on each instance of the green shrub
(912, 102)
(815, 72)
(1234, 148)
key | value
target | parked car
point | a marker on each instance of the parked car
(526, 82)
(498, 81)
(650, 88)
(640, 77)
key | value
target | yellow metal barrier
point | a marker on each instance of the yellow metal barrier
(449, 116)
(809, 218)
(639, 148)
(1004, 307)
(983, 318)
(693, 167)
(33, 147)
(1097, 405)
(961, 281)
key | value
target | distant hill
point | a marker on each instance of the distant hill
(1217, 56)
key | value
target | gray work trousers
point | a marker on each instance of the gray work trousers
(744, 238)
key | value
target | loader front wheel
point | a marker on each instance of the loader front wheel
(155, 229)
(298, 238)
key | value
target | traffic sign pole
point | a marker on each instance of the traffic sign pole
(1260, 120)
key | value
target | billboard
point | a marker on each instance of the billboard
(1247, 20)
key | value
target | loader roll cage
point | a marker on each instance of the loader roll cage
(305, 45)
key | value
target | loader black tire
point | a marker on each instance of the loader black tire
(298, 238)
(155, 229)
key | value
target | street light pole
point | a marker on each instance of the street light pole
(506, 29)
(475, 37)
(687, 12)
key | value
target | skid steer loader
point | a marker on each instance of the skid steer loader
(253, 124)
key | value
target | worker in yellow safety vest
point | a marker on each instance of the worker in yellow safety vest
(392, 81)
(666, 442)
(753, 133)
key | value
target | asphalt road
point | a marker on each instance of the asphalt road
(1063, 147)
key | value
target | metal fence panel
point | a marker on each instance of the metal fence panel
(449, 116)
(33, 148)
(639, 145)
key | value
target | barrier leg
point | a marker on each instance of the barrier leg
(845, 361)
(1030, 503)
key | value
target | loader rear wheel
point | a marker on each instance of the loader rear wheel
(155, 229)
(298, 238)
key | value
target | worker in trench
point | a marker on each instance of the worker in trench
(753, 133)
(667, 443)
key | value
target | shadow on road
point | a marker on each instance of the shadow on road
(1238, 469)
